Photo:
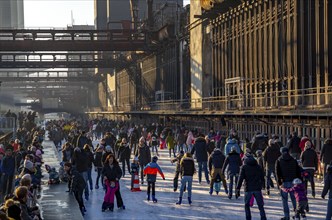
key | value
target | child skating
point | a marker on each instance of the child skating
(151, 170)
(299, 190)
(111, 188)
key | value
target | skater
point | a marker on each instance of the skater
(177, 169)
(144, 156)
(234, 162)
(170, 142)
(216, 162)
(77, 185)
(151, 171)
(154, 143)
(299, 190)
(309, 162)
(98, 164)
(328, 188)
(187, 167)
(112, 174)
(253, 176)
(270, 155)
(200, 150)
(124, 155)
(287, 169)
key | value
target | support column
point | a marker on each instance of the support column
(265, 56)
(326, 49)
(288, 56)
(294, 48)
(250, 58)
(317, 33)
(255, 72)
(270, 54)
(276, 55)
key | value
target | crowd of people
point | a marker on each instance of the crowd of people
(20, 172)
(293, 164)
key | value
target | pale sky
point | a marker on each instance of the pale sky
(57, 13)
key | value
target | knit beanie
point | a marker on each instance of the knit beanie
(28, 164)
(284, 150)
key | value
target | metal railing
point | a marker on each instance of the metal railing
(301, 99)
(7, 124)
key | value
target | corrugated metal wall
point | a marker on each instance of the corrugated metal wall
(273, 53)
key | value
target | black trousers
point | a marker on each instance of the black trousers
(79, 197)
(153, 186)
(7, 184)
(124, 166)
(176, 180)
(118, 197)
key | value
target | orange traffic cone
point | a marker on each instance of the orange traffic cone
(136, 183)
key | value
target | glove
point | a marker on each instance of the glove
(237, 193)
(164, 178)
(323, 197)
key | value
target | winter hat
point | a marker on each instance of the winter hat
(154, 159)
(307, 145)
(297, 181)
(108, 148)
(233, 149)
(181, 152)
(27, 176)
(28, 164)
(135, 158)
(38, 153)
(284, 150)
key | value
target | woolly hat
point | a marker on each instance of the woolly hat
(284, 150)
(28, 164)
(154, 159)
(38, 153)
(26, 176)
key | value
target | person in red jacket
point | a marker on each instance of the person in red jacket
(151, 170)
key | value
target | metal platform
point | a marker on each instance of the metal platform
(72, 40)
(57, 60)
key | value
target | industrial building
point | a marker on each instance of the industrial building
(250, 65)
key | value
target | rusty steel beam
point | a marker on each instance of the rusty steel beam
(29, 45)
